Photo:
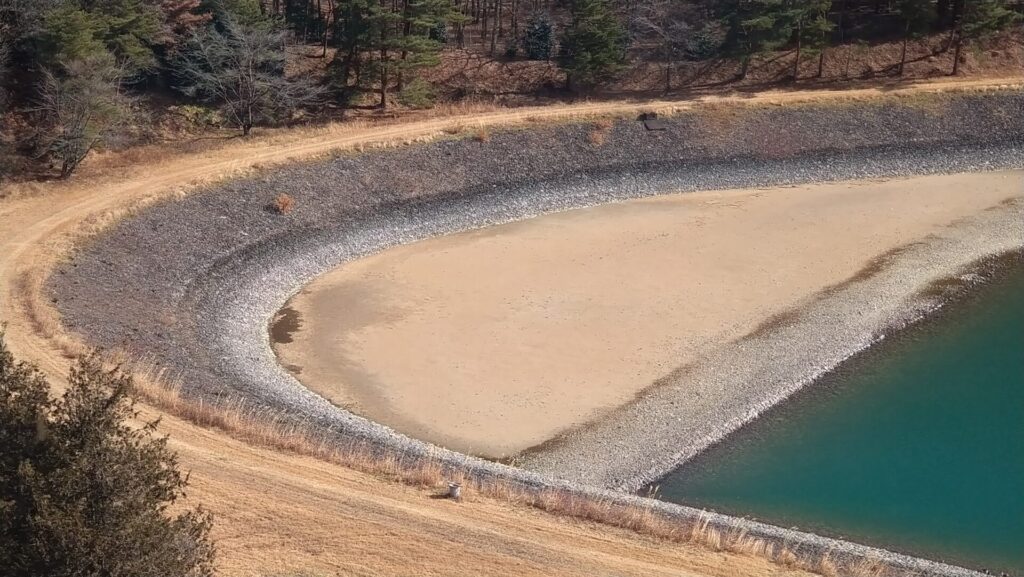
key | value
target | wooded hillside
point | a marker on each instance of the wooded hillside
(80, 74)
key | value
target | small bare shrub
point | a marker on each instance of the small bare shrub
(482, 135)
(599, 133)
(283, 203)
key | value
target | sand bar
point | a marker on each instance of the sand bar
(494, 341)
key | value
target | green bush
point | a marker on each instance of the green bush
(84, 493)
(417, 93)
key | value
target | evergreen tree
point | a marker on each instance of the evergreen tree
(917, 16)
(384, 44)
(810, 24)
(539, 37)
(248, 13)
(127, 29)
(755, 26)
(83, 492)
(593, 46)
(979, 19)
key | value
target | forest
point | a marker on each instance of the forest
(77, 75)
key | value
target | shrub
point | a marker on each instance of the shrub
(283, 203)
(482, 135)
(439, 32)
(598, 135)
(82, 491)
(417, 93)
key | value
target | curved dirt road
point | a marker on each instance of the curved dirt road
(325, 518)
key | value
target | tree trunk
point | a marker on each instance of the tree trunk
(500, 18)
(327, 25)
(383, 75)
(515, 20)
(483, 25)
(406, 29)
(821, 63)
(841, 21)
(494, 27)
(959, 16)
(903, 51)
(956, 53)
(799, 45)
(668, 65)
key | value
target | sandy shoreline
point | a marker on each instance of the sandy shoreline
(513, 335)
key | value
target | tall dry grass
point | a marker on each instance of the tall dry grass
(263, 427)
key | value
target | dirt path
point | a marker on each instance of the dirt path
(322, 517)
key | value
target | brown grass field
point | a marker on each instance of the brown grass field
(288, 506)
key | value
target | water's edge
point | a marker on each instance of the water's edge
(951, 296)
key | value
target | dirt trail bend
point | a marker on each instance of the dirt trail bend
(287, 513)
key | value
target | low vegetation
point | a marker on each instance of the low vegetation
(283, 203)
(84, 488)
(78, 76)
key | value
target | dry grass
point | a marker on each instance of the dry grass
(283, 203)
(482, 135)
(267, 428)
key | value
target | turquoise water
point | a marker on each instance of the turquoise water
(916, 445)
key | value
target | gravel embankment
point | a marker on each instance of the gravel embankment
(193, 283)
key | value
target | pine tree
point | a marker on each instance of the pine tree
(810, 24)
(539, 37)
(593, 46)
(979, 19)
(917, 18)
(753, 27)
(384, 45)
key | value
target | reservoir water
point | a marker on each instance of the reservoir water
(916, 445)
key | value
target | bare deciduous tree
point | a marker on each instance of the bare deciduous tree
(242, 69)
(79, 107)
(660, 21)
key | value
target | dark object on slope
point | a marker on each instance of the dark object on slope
(652, 122)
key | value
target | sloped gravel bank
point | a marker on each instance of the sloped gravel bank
(193, 283)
